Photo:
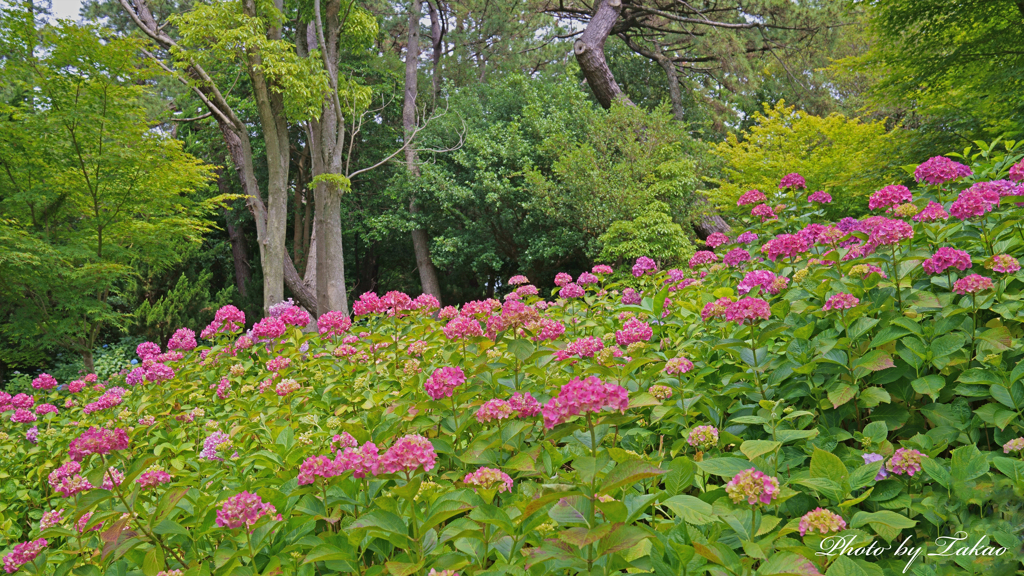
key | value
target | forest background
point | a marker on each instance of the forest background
(162, 158)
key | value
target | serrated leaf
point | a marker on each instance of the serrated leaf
(929, 385)
(691, 509)
(754, 448)
(628, 473)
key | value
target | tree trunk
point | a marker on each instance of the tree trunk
(307, 222)
(589, 50)
(438, 28)
(87, 361)
(301, 180)
(270, 108)
(420, 240)
(674, 93)
(239, 248)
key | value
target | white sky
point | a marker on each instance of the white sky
(66, 8)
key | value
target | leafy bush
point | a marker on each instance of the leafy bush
(863, 381)
(652, 234)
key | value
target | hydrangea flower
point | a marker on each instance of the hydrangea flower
(151, 478)
(746, 238)
(147, 350)
(489, 478)
(785, 246)
(44, 382)
(755, 279)
(1017, 172)
(243, 509)
(972, 284)
(631, 297)
(939, 170)
(217, 441)
(841, 301)
(946, 258)
(495, 409)
(678, 365)
(571, 290)
(644, 265)
(905, 461)
(462, 327)
(751, 197)
(22, 554)
(524, 404)
(182, 339)
(715, 309)
(716, 239)
(1002, 263)
(443, 381)
(1015, 445)
(634, 330)
(754, 486)
(602, 269)
(931, 213)
(887, 231)
(969, 204)
(872, 457)
(821, 521)
(763, 211)
(333, 323)
(269, 328)
(562, 278)
(361, 461)
(702, 257)
(660, 391)
(703, 437)
(408, 454)
(584, 347)
(889, 197)
(586, 278)
(97, 441)
(588, 395)
(51, 519)
(820, 197)
(747, 309)
(735, 257)
(792, 180)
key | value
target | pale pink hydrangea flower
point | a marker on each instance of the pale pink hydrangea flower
(1015, 445)
(112, 477)
(754, 486)
(602, 269)
(408, 454)
(584, 347)
(545, 329)
(518, 279)
(905, 461)
(286, 387)
(426, 303)
(678, 365)
(931, 213)
(841, 301)
(972, 284)
(588, 395)
(822, 521)
(489, 478)
(443, 381)
(660, 391)
(318, 467)
(495, 409)
(1002, 263)
(703, 437)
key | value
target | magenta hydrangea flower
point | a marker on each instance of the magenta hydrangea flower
(23, 416)
(46, 409)
(443, 381)
(946, 258)
(888, 231)
(562, 278)
(703, 257)
(489, 478)
(318, 467)
(361, 461)
(785, 246)
(269, 328)
(644, 265)
(152, 478)
(147, 350)
(970, 204)
(368, 303)
(754, 486)
(972, 284)
(1017, 172)
(905, 461)
(763, 211)
(23, 401)
(755, 279)
(495, 409)
(1015, 445)
(820, 197)
(678, 365)
(97, 441)
(841, 301)
(333, 323)
(602, 269)
(524, 405)
(44, 382)
(588, 395)
(22, 554)
(821, 521)
(157, 372)
(182, 339)
(571, 290)
(243, 509)
(889, 197)
(408, 454)
(584, 347)
(932, 213)
(792, 180)
(735, 257)
(716, 239)
(631, 297)
(751, 197)
(939, 170)
(586, 278)
(634, 330)
(747, 309)
(746, 238)
(703, 437)
(715, 309)
(462, 327)
(1002, 263)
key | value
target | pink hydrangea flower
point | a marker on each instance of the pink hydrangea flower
(751, 197)
(889, 197)
(887, 231)
(46, 409)
(631, 297)
(746, 238)
(286, 387)
(735, 257)
(660, 391)
(44, 382)
(747, 309)
(51, 519)
(295, 316)
(905, 461)
(243, 509)
(153, 478)
(23, 416)
(333, 323)
(755, 279)
(518, 279)
(408, 454)
(785, 246)
(526, 290)
(545, 329)
(1017, 172)
(754, 486)
(216, 442)
(571, 290)
(489, 478)
(644, 265)
(703, 437)
(361, 461)
(22, 554)
(678, 365)
(182, 339)
(562, 278)
(586, 278)
(448, 312)
(584, 347)
(318, 467)
(633, 330)
(23, 401)
(716, 239)
(157, 372)
(939, 170)
(763, 211)
(524, 404)
(269, 328)
(933, 212)
(822, 521)
(792, 180)
(278, 363)
(946, 258)
(147, 350)
(602, 269)
(972, 284)
(426, 303)
(820, 197)
(703, 257)
(841, 301)
(1015, 445)
(1002, 263)
(443, 382)
(495, 409)
(97, 441)
(589, 395)
(368, 303)
(462, 327)
(970, 204)
(112, 477)
(715, 309)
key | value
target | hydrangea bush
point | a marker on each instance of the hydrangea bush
(800, 381)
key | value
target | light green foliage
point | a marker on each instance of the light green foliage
(652, 234)
(88, 192)
(843, 156)
(189, 303)
(627, 159)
